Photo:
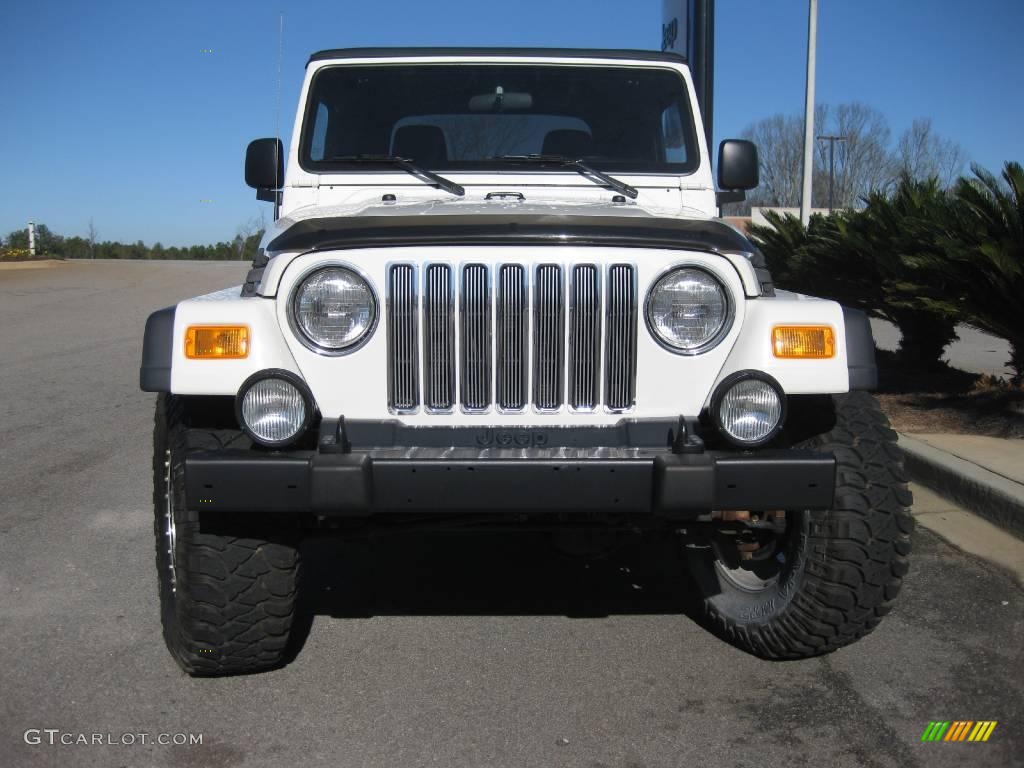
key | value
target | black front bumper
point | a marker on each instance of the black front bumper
(569, 472)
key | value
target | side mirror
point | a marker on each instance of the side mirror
(737, 169)
(264, 167)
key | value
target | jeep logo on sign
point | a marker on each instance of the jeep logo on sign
(669, 33)
(511, 438)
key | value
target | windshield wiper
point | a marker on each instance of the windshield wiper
(578, 165)
(406, 165)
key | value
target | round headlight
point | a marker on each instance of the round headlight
(334, 309)
(273, 410)
(749, 409)
(688, 310)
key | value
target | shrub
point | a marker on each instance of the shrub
(985, 246)
(903, 236)
(884, 259)
(15, 254)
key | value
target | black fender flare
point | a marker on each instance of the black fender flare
(157, 352)
(860, 350)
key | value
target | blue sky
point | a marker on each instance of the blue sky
(111, 110)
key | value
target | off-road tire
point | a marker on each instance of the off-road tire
(845, 565)
(229, 604)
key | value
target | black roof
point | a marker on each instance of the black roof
(571, 53)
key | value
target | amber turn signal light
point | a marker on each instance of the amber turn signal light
(216, 342)
(803, 342)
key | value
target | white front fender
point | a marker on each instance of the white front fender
(753, 349)
(267, 347)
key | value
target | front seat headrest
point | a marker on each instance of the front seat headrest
(424, 144)
(568, 143)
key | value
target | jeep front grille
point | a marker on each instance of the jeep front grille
(567, 339)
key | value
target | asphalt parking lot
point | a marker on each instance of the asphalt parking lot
(455, 651)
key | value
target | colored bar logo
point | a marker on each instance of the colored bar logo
(959, 730)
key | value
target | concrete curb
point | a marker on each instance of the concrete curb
(973, 487)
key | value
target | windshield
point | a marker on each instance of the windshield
(466, 116)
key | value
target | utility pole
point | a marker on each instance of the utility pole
(832, 165)
(812, 44)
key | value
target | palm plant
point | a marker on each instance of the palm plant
(884, 259)
(817, 259)
(902, 236)
(781, 242)
(986, 245)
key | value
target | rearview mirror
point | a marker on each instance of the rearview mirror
(737, 169)
(500, 101)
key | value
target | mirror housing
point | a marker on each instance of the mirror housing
(264, 165)
(738, 169)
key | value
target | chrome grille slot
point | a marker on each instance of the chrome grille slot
(548, 338)
(512, 327)
(438, 338)
(403, 340)
(475, 327)
(620, 338)
(584, 338)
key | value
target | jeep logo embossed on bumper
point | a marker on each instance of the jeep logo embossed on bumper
(512, 438)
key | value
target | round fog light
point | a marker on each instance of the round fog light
(273, 411)
(749, 410)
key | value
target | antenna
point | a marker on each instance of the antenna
(277, 112)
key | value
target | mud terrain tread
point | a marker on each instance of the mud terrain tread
(857, 553)
(236, 597)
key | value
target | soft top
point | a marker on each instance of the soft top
(540, 53)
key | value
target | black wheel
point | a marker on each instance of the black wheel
(820, 580)
(227, 604)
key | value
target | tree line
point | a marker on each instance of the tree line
(51, 245)
(923, 255)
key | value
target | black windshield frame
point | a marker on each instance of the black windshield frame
(666, 86)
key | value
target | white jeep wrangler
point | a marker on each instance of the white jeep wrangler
(497, 293)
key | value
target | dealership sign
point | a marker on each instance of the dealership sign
(676, 26)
